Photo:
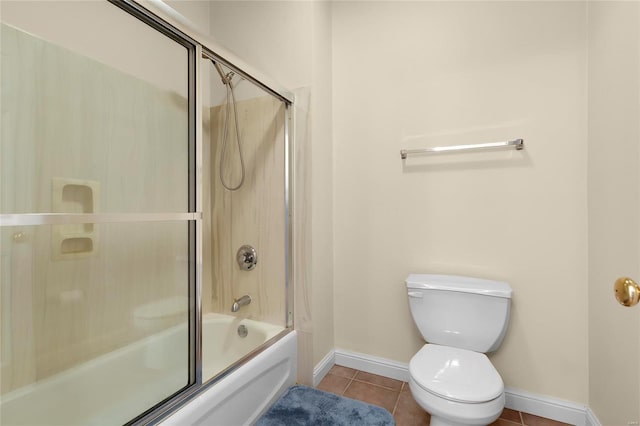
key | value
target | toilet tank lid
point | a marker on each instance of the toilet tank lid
(459, 284)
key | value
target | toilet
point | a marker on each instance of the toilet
(461, 318)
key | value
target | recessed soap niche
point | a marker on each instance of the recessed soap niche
(74, 240)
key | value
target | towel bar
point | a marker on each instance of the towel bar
(516, 143)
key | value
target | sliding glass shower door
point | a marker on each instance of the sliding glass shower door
(97, 226)
(244, 290)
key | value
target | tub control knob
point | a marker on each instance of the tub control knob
(247, 258)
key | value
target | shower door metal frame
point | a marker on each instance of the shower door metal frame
(288, 175)
(165, 406)
(206, 48)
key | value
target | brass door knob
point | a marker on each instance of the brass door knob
(627, 291)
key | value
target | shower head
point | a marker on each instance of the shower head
(226, 78)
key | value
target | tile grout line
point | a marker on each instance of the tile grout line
(510, 422)
(395, 407)
(348, 384)
(344, 377)
(375, 384)
(379, 385)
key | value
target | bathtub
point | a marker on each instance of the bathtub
(222, 345)
(240, 397)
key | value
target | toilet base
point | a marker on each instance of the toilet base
(438, 421)
(450, 413)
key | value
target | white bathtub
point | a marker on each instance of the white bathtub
(221, 344)
(98, 397)
(242, 396)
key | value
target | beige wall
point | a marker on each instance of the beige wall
(109, 36)
(420, 74)
(196, 11)
(283, 29)
(322, 183)
(614, 201)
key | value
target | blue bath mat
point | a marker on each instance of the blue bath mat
(305, 406)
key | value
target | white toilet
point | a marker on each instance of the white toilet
(461, 318)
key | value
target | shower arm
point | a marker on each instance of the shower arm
(226, 78)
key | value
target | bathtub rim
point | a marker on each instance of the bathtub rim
(193, 391)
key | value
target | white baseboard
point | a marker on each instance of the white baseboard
(548, 407)
(373, 364)
(538, 405)
(323, 367)
(592, 420)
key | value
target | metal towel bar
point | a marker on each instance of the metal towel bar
(516, 143)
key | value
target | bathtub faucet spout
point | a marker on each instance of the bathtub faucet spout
(237, 303)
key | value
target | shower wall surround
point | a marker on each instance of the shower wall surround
(59, 111)
(254, 214)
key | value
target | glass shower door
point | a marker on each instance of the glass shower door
(97, 220)
(244, 248)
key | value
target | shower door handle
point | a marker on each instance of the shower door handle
(626, 291)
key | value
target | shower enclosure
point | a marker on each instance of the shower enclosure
(245, 257)
(119, 243)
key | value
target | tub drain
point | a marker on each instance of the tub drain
(242, 331)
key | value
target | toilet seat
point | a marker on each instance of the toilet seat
(455, 374)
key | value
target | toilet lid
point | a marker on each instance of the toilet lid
(456, 374)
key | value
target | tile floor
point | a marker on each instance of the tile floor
(395, 396)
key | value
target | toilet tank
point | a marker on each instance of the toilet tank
(462, 312)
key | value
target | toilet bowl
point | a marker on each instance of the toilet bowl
(451, 413)
(461, 318)
(456, 384)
